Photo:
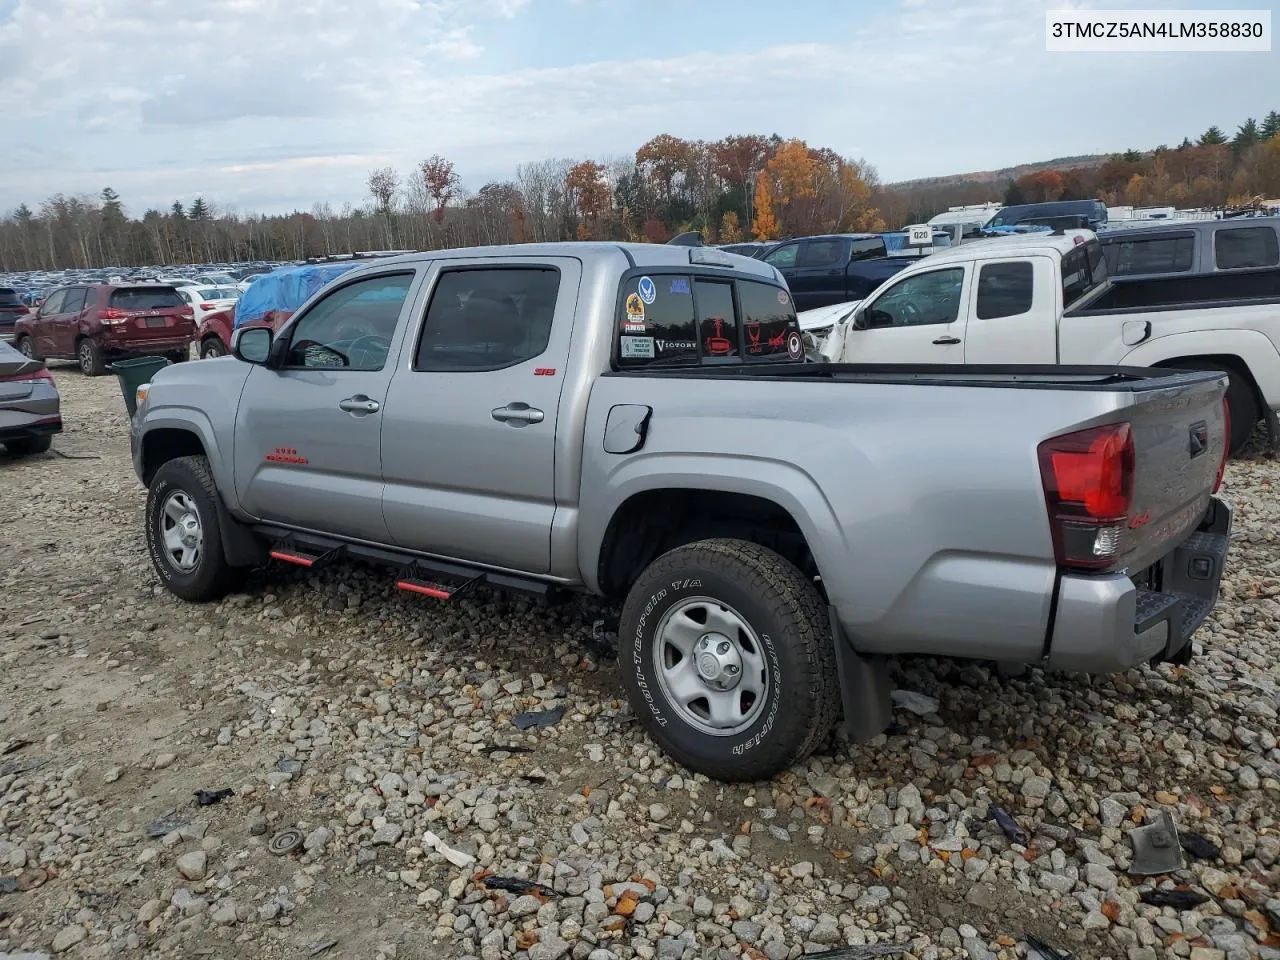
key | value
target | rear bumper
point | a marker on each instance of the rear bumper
(1105, 624)
(33, 428)
(168, 344)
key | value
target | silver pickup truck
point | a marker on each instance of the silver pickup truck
(639, 422)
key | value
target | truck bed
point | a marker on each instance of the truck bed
(1203, 290)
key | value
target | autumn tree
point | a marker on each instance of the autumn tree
(440, 181)
(765, 225)
(730, 231)
(663, 160)
(585, 183)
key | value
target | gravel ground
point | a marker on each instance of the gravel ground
(380, 728)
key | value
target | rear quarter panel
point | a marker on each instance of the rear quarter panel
(922, 504)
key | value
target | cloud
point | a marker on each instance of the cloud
(276, 103)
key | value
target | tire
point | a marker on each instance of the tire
(178, 356)
(212, 347)
(90, 359)
(179, 487)
(730, 584)
(1243, 405)
(27, 347)
(27, 446)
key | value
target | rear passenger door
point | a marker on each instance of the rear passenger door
(469, 433)
(1013, 312)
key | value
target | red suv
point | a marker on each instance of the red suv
(95, 323)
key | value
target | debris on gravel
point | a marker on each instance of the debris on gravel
(463, 780)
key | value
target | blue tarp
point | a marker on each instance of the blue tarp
(287, 289)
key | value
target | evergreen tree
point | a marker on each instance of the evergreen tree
(1212, 137)
(199, 209)
(1013, 195)
(1270, 125)
(176, 210)
(1132, 156)
(1246, 136)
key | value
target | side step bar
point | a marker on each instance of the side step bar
(426, 577)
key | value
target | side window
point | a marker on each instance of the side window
(823, 253)
(784, 256)
(658, 324)
(770, 328)
(1153, 255)
(53, 303)
(717, 322)
(869, 248)
(1004, 289)
(1246, 247)
(926, 298)
(351, 328)
(488, 318)
(74, 301)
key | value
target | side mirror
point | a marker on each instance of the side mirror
(252, 344)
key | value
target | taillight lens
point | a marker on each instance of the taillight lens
(206, 306)
(1088, 488)
(186, 312)
(34, 376)
(1226, 444)
(114, 313)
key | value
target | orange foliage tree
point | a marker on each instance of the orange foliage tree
(585, 183)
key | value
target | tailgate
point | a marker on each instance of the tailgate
(1180, 437)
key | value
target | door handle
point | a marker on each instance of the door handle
(517, 414)
(359, 405)
(945, 341)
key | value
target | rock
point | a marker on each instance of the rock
(163, 760)
(977, 950)
(1113, 812)
(524, 906)
(1207, 953)
(658, 812)
(802, 869)
(317, 840)
(909, 799)
(549, 948)
(702, 907)
(1036, 788)
(826, 931)
(223, 913)
(1099, 876)
(1095, 920)
(150, 910)
(68, 937)
(386, 835)
(193, 865)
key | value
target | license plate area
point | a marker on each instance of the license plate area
(155, 321)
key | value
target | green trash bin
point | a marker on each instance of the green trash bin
(134, 373)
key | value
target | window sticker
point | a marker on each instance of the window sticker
(637, 348)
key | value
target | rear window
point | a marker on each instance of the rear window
(1004, 289)
(1246, 247)
(145, 298)
(1150, 255)
(672, 320)
(869, 248)
(1084, 269)
(9, 297)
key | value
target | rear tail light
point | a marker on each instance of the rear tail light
(207, 306)
(1088, 488)
(186, 312)
(113, 315)
(1226, 443)
(32, 376)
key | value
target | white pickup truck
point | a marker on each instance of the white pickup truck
(1046, 298)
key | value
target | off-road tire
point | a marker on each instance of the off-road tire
(89, 358)
(27, 446)
(213, 578)
(784, 609)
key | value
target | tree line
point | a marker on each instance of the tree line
(738, 188)
(741, 187)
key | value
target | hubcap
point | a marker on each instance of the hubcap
(711, 665)
(27, 350)
(86, 356)
(181, 530)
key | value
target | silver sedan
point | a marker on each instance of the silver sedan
(30, 408)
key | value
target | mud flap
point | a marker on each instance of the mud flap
(240, 545)
(864, 687)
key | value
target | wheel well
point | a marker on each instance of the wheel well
(1237, 366)
(165, 444)
(649, 524)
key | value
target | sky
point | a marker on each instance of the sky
(274, 105)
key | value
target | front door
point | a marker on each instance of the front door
(43, 324)
(469, 435)
(66, 325)
(915, 320)
(308, 435)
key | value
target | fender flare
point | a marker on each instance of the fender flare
(1256, 353)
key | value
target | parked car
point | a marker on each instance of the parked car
(96, 323)
(1197, 246)
(834, 268)
(206, 300)
(754, 250)
(638, 421)
(11, 308)
(1093, 212)
(1044, 298)
(30, 408)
